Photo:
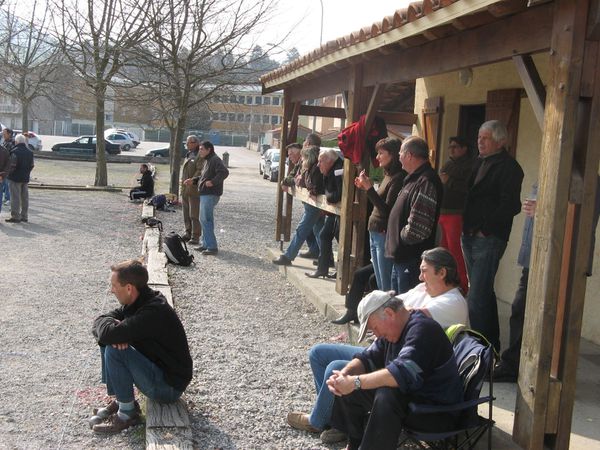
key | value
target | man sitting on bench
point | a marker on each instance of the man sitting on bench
(146, 189)
(142, 343)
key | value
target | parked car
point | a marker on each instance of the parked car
(130, 134)
(34, 142)
(85, 145)
(121, 139)
(266, 155)
(163, 152)
(272, 167)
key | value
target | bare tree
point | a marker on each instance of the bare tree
(94, 36)
(197, 49)
(30, 59)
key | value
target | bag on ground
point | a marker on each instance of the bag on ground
(176, 250)
(159, 201)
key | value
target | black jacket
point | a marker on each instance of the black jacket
(215, 171)
(21, 164)
(147, 183)
(153, 328)
(494, 196)
(333, 183)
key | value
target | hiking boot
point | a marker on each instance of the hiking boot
(505, 374)
(13, 220)
(300, 421)
(332, 436)
(115, 424)
(282, 261)
(101, 414)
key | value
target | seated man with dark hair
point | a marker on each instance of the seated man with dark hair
(146, 189)
(411, 360)
(142, 343)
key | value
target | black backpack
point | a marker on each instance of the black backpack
(176, 250)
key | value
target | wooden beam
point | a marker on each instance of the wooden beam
(398, 118)
(320, 202)
(283, 220)
(330, 84)
(593, 26)
(375, 101)
(524, 33)
(322, 111)
(556, 158)
(536, 92)
(293, 133)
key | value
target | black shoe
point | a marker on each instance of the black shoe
(505, 374)
(316, 263)
(200, 249)
(317, 274)
(186, 237)
(210, 251)
(349, 316)
(24, 220)
(282, 261)
(308, 255)
(13, 220)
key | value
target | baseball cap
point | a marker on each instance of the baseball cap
(371, 303)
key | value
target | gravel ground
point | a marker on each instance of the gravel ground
(249, 329)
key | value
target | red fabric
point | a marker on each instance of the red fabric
(451, 225)
(352, 140)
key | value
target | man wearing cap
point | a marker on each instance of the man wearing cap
(411, 360)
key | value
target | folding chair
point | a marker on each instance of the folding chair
(475, 358)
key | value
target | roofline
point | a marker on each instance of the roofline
(436, 18)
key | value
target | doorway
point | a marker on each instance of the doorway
(470, 118)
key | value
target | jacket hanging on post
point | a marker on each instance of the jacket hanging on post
(353, 139)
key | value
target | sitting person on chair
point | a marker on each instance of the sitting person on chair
(411, 360)
(146, 189)
(142, 343)
(438, 297)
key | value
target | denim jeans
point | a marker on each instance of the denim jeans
(482, 257)
(405, 275)
(5, 190)
(381, 264)
(310, 220)
(324, 359)
(207, 220)
(121, 369)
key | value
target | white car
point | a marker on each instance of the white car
(266, 155)
(120, 139)
(130, 134)
(33, 140)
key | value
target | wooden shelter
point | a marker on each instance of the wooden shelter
(434, 37)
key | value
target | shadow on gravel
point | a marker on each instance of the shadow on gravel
(26, 229)
(238, 259)
(202, 429)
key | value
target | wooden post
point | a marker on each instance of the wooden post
(280, 218)
(566, 55)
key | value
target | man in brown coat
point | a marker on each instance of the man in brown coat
(190, 200)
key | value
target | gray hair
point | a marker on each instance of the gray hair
(20, 139)
(313, 139)
(440, 258)
(193, 138)
(309, 157)
(330, 154)
(416, 146)
(498, 130)
(394, 303)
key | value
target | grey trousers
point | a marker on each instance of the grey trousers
(19, 199)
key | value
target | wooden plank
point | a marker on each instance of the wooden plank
(147, 211)
(151, 240)
(398, 118)
(593, 26)
(331, 84)
(322, 111)
(553, 405)
(374, 102)
(169, 439)
(302, 194)
(346, 216)
(536, 92)
(293, 132)
(523, 33)
(280, 217)
(555, 171)
(156, 265)
(164, 290)
(166, 414)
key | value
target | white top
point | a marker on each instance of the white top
(446, 309)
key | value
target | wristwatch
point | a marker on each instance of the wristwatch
(357, 383)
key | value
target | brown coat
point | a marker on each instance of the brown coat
(192, 167)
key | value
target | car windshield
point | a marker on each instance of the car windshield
(275, 157)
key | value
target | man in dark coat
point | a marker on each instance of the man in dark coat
(21, 165)
(146, 188)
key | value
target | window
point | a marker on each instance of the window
(265, 119)
(276, 101)
(274, 120)
(215, 116)
(231, 117)
(256, 119)
(240, 117)
(241, 99)
(266, 100)
(258, 100)
(248, 100)
(248, 118)
(223, 117)
(233, 99)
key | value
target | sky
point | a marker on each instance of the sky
(340, 17)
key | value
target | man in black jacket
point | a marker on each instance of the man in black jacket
(492, 202)
(143, 343)
(21, 165)
(146, 189)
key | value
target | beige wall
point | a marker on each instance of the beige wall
(500, 76)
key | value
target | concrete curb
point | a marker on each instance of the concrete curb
(167, 424)
(319, 292)
(64, 187)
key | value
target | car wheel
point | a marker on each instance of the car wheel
(265, 176)
(127, 147)
(260, 171)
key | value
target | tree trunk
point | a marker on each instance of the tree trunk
(25, 116)
(177, 137)
(101, 169)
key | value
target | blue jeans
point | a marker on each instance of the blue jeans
(482, 257)
(121, 369)
(207, 220)
(311, 220)
(324, 359)
(5, 190)
(405, 275)
(381, 264)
